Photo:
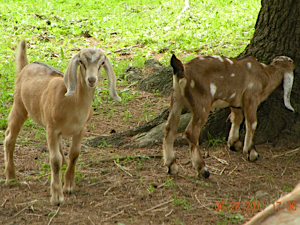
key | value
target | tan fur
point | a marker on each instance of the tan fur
(221, 82)
(287, 213)
(41, 93)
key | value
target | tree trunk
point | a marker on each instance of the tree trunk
(277, 32)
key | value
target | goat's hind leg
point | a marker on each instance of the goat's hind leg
(177, 103)
(236, 118)
(251, 123)
(74, 152)
(16, 119)
(192, 133)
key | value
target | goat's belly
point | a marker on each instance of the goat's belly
(220, 104)
(71, 129)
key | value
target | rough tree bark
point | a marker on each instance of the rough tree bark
(277, 32)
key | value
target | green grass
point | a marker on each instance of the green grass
(55, 28)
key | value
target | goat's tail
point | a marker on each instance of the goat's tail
(21, 58)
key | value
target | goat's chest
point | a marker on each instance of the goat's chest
(72, 122)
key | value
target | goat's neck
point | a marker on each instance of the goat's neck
(275, 79)
(83, 95)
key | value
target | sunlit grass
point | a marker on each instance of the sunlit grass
(54, 31)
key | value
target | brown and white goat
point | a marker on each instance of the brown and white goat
(284, 211)
(211, 82)
(62, 103)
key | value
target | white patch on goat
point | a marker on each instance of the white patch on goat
(182, 84)
(199, 121)
(254, 125)
(230, 61)
(219, 58)
(249, 65)
(213, 89)
(201, 58)
(232, 96)
(264, 65)
(250, 85)
(192, 83)
(232, 75)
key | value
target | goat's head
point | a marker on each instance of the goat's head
(90, 61)
(288, 78)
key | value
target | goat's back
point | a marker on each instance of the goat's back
(35, 83)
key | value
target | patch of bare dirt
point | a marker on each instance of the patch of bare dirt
(130, 186)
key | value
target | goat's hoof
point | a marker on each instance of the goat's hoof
(236, 146)
(253, 156)
(173, 169)
(68, 189)
(11, 182)
(203, 172)
(57, 200)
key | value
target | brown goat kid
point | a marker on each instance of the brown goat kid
(211, 82)
(62, 103)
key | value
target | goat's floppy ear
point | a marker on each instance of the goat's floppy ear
(177, 66)
(111, 80)
(287, 89)
(70, 76)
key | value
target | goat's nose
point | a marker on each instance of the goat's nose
(92, 81)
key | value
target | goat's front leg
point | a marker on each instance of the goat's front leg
(236, 118)
(177, 103)
(64, 161)
(69, 185)
(192, 133)
(251, 123)
(56, 159)
(16, 119)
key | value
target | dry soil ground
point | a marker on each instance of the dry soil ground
(113, 187)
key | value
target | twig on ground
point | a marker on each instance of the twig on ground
(159, 205)
(168, 214)
(113, 216)
(54, 215)
(222, 170)
(100, 182)
(233, 170)
(131, 157)
(109, 189)
(21, 211)
(287, 153)
(91, 220)
(125, 206)
(160, 209)
(221, 160)
(3, 204)
(202, 204)
(30, 204)
(118, 165)
(161, 185)
(287, 165)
